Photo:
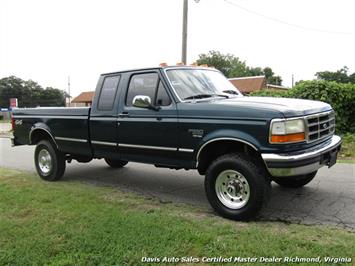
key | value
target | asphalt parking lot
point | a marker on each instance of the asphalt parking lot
(329, 199)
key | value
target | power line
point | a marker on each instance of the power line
(287, 23)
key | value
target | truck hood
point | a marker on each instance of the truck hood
(289, 107)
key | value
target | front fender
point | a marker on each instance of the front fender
(226, 134)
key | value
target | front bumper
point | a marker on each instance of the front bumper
(303, 162)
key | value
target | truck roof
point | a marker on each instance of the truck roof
(155, 68)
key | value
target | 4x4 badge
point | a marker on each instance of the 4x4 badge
(196, 133)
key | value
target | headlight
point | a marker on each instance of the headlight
(287, 131)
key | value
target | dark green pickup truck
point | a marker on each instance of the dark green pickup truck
(188, 118)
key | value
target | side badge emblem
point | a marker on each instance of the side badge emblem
(196, 133)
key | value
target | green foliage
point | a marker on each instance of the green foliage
(29, 93)
(226, 63)
(340, 96)
(348, 146)
(232, 67)
(270, 93)
(340, 76)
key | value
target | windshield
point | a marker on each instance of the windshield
(200, 83)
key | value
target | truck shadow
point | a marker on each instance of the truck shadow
(317, 203)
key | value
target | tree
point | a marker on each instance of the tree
(340, 76)
(231, 66)
(10, 87)
(29, 93)
(226, 63)
(53, 97)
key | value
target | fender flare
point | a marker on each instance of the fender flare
(227, 135)
(223, 138)
(43, 127)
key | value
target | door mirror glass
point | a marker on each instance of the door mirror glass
(142, 101)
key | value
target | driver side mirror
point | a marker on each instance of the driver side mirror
(143, 101)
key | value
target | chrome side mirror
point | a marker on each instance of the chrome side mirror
(142, 101)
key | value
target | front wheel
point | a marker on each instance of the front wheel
(115, 163)
(49, 162)
(294, 181)
(237, 187)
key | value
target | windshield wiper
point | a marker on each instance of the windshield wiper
(231, 92)
(198, 96)
(201, 96)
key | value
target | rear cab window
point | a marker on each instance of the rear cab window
(108, 93)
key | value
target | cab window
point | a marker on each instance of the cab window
(149, 85)
(162, 98)
(108, 93)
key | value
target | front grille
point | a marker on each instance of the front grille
(320, 125)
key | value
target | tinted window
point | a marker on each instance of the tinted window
(142, 84)
(163, 98)
(108, 93)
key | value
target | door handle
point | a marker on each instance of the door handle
(123, 114)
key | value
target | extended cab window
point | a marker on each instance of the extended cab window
(148, 85)
(108, 93)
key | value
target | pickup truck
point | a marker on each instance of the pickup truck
(188, 117)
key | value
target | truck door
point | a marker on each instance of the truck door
(103, 118)
(144, 134)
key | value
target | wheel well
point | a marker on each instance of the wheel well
(40, 134)
(220, 147)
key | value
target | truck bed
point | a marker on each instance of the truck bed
(68, 127)
(49, 111)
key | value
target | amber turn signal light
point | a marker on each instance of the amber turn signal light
(288, 138)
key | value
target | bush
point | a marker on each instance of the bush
(340, 96)
(270, 93)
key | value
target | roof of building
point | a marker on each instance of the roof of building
(272, 86)
(84, 97)
(249, 84)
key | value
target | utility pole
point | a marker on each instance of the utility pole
(69, 89)
(292, 81)
(184, 32)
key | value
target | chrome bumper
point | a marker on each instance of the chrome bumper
(304, 162)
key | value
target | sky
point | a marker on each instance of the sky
(47, 41)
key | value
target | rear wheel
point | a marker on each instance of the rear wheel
(294, 181)
(115, 163)
(237, 187)
(49, 162)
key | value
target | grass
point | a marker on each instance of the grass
(73, 223)
(347, 153)
(5, 121)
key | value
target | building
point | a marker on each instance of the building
(247, 85)
(275, 87)
(84, 99)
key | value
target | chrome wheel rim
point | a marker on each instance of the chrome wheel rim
(232, 189)
(44, 161)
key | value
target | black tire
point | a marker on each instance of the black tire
(294, 181)
(115, 163)
(252, 172)
(56, 167)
